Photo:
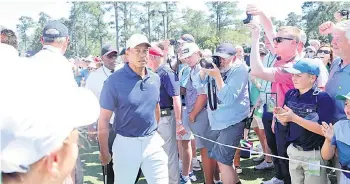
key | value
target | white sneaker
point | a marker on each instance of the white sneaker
(274, 180)
(238, 169)
(192, 176)
(195, 165)
(264, 165)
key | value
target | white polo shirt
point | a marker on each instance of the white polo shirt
(54, 65)
(95, 82)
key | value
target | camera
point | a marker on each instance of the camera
(248, 19)
(174, 63)
(208, 62)
(345, 13)
(173, 42)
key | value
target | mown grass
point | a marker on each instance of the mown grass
(93, 169)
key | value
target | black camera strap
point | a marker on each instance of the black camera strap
(213, 97)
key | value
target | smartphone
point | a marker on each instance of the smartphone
(271, 101)
(248, 19)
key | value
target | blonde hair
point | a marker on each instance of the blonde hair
(292, 31)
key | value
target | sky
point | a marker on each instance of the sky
(11, 10)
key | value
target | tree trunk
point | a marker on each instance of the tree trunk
(149, 21)
(116, 24)
(167, 20)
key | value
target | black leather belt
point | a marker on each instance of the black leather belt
(167, 108)
(302, 149)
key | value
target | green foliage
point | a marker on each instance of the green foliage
(93, 24)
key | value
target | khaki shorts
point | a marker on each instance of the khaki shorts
(257, 122)
(185, 121)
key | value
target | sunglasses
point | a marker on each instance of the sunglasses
(309, 51)
(324, 51)
(280, 39)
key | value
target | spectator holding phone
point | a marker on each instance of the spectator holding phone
(305, 108)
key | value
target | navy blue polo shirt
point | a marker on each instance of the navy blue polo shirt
(318, 108)
(133, 101)
(170, 86)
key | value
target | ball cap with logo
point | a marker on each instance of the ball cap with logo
(55, 29)
(225, 50)
(304, 65)
(137, 39)
(36, 121)
(188, 49)
(107, 49)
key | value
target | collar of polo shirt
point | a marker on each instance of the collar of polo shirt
(131, 72)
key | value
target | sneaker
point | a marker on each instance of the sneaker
(274, 180)
(195, 165)
(259, 159)
(184, 180)
(238, 169)
(192, 176)
(264, 165)
(218, 182)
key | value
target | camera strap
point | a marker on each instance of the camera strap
(212, 97)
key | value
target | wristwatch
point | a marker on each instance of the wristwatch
(179, 123)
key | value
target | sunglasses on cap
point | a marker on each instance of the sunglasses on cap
(324, 51)
(280, 39)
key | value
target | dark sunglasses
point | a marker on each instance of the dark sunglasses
(280, 39)
(324, 51)
(309, 51)
(262, 54)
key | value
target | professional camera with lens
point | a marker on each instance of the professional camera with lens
(344, 13)
(208, 62)
(173, 42)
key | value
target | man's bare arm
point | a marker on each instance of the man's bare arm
(177, 108)
(103, 129)
(157, 112)
(256, 65)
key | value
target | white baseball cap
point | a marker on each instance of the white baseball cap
(36, 117)
(137, 39)
(188, 49)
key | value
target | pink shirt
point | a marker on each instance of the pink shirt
(283, 81)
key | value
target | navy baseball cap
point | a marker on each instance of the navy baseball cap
(107, 49)
(225, 50)
(186, 38)
(122, 52)
(55, 29)
(304, 65)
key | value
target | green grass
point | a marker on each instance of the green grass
(93, 170)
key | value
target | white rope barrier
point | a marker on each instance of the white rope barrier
(275, 156)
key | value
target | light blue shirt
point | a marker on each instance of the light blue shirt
(338, 84)
(341, 140)
(184, 73)
(233, 106)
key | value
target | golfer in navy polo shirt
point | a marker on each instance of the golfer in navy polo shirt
(305, 108)
(132, 93)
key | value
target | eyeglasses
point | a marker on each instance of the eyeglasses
(324, 51)
(280, 39)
